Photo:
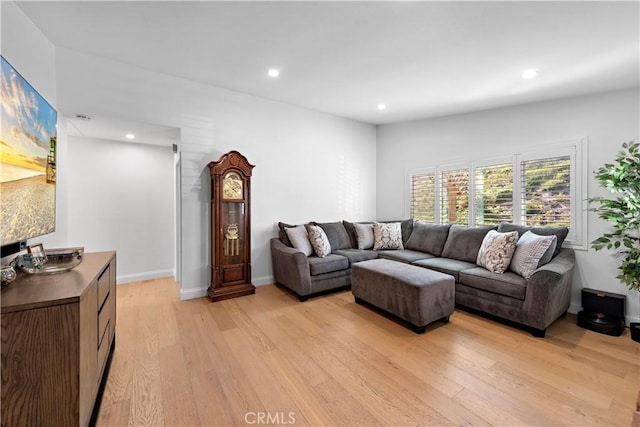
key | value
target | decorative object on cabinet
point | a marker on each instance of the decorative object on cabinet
(51, 261)
(230, 227)
(7, 275)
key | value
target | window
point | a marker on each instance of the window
(423, 196)
(454, 196)
(542, 187)
(493, 194)
(546, 191)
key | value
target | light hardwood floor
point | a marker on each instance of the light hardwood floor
(270, 359)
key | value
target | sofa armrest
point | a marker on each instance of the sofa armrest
(290, 267)
(549, 290)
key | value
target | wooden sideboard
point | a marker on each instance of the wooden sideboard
(57, 333)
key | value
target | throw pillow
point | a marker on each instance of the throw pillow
(300, 239)
(319, 241)
(387, 236)
(496, 250)
(530, 249)
(560, 232)
(282, 234)
(364, 234)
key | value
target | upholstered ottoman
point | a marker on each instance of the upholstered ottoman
(414, 294)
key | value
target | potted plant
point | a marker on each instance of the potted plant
(623, 212)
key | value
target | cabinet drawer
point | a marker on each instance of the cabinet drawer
(103, 286)
(103, 348)
(104, 318)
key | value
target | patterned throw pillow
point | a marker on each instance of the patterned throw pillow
(387, 236)
(319, 241)
(530, 249)
(496, 250)
(364, 233)
(300, 239)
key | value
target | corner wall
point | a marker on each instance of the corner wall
(606, 119)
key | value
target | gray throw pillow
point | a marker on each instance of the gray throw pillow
(300, 239)
(560, 232)
(282, 234)
(364, 234)
(530, 249)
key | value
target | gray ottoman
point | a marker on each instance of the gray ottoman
(415, 294)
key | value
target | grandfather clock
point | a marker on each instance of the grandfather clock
(230, 227)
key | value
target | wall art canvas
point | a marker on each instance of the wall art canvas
(27, 159)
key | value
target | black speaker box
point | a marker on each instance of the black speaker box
(603, 312)
(606, 303)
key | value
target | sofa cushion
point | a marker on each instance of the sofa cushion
(337, 235)
(300, 239)
(404, 255)
(530, 250)
(364, 235)
(282, 234)
(357, 255)
(446, 265)
(429, 238)
(387, 236)
(507, 284)
(328, 264)
(496, 251)
(319, 241)
(463, 242)
(560, 232)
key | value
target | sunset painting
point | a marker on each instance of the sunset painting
(27, 160)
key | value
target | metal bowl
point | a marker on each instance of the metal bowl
(55, 261)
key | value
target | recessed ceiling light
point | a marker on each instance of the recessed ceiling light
(130, 136)
(273, 72)
(382, 107)
(530, 73)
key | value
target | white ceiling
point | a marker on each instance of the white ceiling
(422, 59)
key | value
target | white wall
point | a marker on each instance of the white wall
(607, 120)
(309, 165)
(121, 198)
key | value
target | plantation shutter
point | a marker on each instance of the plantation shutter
(454, 196)
(423, 196)
(493, 194)
(546, 191)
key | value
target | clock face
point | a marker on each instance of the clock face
(232, 186)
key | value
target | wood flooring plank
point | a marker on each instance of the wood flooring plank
(177, 395)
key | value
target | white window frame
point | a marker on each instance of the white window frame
(576, 149)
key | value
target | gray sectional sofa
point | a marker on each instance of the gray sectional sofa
(534, 302)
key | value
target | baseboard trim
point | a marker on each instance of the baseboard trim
(147, 275)
(261, 281)
(186, 294)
